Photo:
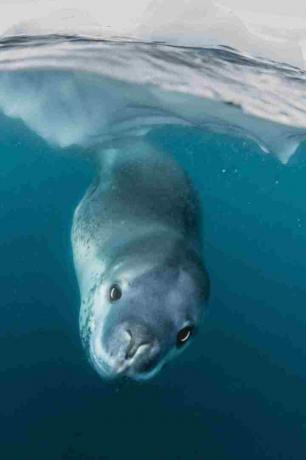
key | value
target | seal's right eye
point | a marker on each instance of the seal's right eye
(184, 335)
(115, 293)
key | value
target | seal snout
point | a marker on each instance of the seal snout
(136, 344)
(141, 348)
(135, 349)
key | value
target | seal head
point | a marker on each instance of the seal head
(144, 316)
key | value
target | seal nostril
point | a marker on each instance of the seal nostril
(133, 348)
(130, 352)
(129, 333)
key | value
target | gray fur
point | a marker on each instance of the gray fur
(137, 226)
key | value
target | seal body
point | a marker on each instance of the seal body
(137, 253)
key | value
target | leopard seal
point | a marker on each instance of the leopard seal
(137, 253)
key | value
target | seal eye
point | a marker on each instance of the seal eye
(115, 293)
(183, 335)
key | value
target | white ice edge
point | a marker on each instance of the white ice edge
(267, 29)
(69, 97)
(91, 110)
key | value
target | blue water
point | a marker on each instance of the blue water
(238, 393)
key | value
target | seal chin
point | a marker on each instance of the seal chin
(125, 358)
(144, 374)
(130, 369)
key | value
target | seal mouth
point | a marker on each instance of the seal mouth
(134, 367)
(132, 360)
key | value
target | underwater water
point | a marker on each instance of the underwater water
(239, 391)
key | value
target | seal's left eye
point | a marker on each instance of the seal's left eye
(183, 335)
(115, 293)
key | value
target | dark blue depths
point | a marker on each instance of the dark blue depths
(237, 393)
